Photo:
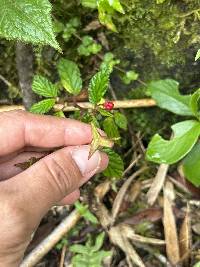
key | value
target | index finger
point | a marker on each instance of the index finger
(19, 129)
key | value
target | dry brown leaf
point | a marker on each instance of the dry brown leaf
(103, 215)
(93, 25)
(130, 234)
(152, 215)
(119, 198)
(157, 184)
(169, 190)
(171, 238)
(102, 38)
(134, 192)
(102, 189)
(185, 238)
(117, 238)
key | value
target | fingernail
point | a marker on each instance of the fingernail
(86, 166)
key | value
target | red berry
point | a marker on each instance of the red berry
(108, 105)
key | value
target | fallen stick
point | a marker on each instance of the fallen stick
(51, 240)
(67, 107)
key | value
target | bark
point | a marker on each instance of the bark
(24, 61)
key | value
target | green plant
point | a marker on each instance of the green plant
(89, 255)
(85, 213)
(98, 116)
(88, 46)
(197, 55)
(184, 140)
(106, 9)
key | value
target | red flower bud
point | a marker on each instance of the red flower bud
(108, 105)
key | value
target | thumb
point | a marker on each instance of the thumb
(52, 178)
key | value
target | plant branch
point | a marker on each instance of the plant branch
(68, 107)
(50, 241)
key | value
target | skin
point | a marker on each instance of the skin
(26, 196)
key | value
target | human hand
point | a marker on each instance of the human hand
(25, 196)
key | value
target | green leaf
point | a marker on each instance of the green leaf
(116, 5)
(167, 96)
(98, 85)
(89, 3)
(130, 76)
(59, 114)
(70, 76)
(197, 55)
(43, 106)
(84, 211)
(104, 112)
(105, 14)
(111, 129)
(195, 104)
(191, 165)
(28, 21)
(98, 242)
(185, 136)
(44, 87)
(79, 249)
(115, 167)
(121, 120)
(109, 60)
(197, 264)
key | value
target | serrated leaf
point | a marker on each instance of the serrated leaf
(98, 141)
(42, 86)
(70, 76)
(167, 96)
(191, 165)
(111, 129)
(28, 21)
(43, 106)
(115, 167)
(195, 104)
(98, 85)
(121, 120)
(197, 55)
(185, 136)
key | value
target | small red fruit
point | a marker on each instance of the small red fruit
(108, 105)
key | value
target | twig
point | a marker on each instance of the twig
(189, 13)
(133, 162)
(67, 107)
(5, 81)
(50, 241)
(63, 253)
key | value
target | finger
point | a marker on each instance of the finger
(52, 178)
(19, 129)
(9, 169)
(71, 198)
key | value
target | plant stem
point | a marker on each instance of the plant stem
(68, 107)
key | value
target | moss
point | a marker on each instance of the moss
(164, 30)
